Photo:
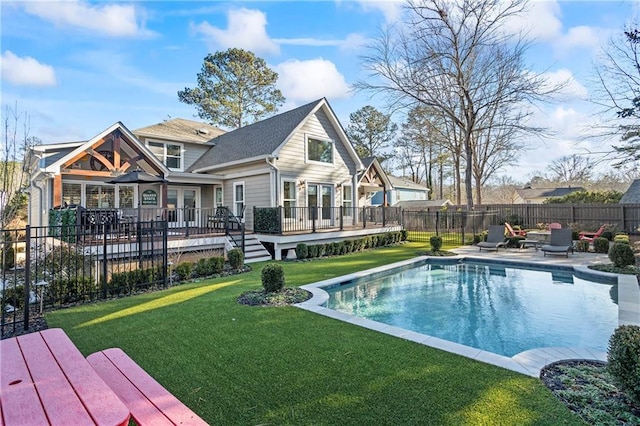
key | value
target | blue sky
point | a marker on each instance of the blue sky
(77, 67)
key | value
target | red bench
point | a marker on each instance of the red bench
(148, 401)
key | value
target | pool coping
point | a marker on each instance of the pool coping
(529, 362)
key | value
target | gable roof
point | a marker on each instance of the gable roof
(54, 166)
(265, 137)
(632, 195)
(530, 193)
(180, 129)
(399, 182)
(373, 163)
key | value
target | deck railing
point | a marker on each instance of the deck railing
(281, 220)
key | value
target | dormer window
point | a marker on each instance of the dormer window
(169, 153)
(319, 150)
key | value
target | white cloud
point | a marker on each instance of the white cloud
(115, 20)
(572, 89)
(353, 42)
(246, 30)
(541, 21)
(26, 71)
(581, 37)
(390, 9)
(302, 81)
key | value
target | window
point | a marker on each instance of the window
(218, 196)
(125, 196)
(347, 199)
(72, 193)
(238, 199)
(320, 150)
(289, 199)
(100, 196)
(169, 153)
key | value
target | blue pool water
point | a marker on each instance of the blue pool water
(496, 309)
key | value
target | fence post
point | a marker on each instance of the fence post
(384, 219)
(341, 213)
(27, 274)
(364, 217)
(104, 261)
(165, 250)
(185, 219)
(314, 215)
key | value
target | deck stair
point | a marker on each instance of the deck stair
(254, 251)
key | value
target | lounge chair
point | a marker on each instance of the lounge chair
(495, 239)
(561, 242)
(515, 232)
(590, 236)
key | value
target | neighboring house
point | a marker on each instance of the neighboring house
(416, 205)
(529, 195)
(632, 195)
(402, 189)
(298, 159)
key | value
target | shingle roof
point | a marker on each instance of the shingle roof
(422, 204)
(529, 193)
(399, 182)
(180, 129)
(632, 195)
(255, 140)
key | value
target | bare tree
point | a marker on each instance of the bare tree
(456, 58)
(571, 169)
(618, 93)
(13, 172)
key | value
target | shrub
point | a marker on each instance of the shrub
(607, 234)
(202, 268)
(477, 238)
(302, 251)
(575, 235)
(624, 359)
(514, 241)
(236, 258)
(404, 234)
(216, 263)
(621, 255)
(436, 243)
(184, 270)
(601, 245)
(8, 253)
(273, 278)
(621, 238)
(312, 251)
(582, 246)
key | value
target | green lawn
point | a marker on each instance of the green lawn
(235, 364)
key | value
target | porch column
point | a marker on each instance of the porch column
(277, 252)
(57, 190)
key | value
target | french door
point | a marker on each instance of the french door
(319, 201)
(183, 206)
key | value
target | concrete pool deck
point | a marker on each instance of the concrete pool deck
(529, 362)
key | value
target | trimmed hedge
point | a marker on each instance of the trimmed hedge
(621, 255)
(601, 245)
(272, 278)
(624, 359)
(236, 258)
(337, 248)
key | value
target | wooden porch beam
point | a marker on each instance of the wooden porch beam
(57, 190)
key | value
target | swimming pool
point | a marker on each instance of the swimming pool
(496, 308)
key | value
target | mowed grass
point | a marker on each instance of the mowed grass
(242, 365)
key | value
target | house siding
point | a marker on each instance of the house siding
(191, 151)
(257, 193)
(293, 165)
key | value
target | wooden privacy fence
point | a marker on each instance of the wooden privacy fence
(622, 217)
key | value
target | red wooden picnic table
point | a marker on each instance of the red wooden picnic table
(45, 380)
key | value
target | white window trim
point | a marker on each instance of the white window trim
(244, 197)
(295, 186)
(350, 193)
(164, 159)
(116, 199)
(322, 139)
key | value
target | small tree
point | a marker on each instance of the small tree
(436, 243)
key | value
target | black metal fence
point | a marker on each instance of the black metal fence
(455, 227)
(59, 266)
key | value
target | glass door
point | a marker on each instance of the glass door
(319, 199)
(182, 207)
(189, 206)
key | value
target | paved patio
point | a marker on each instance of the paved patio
(529, 362)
